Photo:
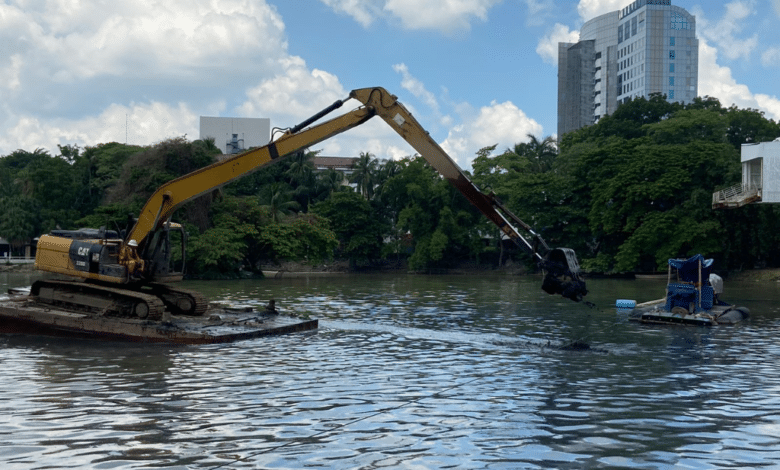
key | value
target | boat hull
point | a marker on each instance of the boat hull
(218, 325)
(654, 312)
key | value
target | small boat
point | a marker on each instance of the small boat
(222, 323)
(690, 298)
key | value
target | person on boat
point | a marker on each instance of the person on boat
(717, 286)
(129, 257)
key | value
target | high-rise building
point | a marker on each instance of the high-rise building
(647, 47)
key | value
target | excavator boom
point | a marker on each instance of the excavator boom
(112, 260)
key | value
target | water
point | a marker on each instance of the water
(407, 372)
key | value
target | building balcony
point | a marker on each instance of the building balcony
(736, 196)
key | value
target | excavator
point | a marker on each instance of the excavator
(130, 273)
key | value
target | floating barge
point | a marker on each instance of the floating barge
(21, 314)
(655, 311)
(690, 298)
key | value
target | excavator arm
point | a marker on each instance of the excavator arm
(149, 232)
(562, 271)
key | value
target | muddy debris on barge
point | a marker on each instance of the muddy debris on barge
(21, 313)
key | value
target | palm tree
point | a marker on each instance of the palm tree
(329, 181)
(541, 154)
(301, 166)
(277, 198)
(384, 171)
(364, 174)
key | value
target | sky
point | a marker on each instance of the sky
(473, 72)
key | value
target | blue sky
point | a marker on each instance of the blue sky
(474, 72)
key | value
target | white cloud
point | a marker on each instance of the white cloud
(447, 16)
(500, 123)
(724, 31)
(416, 87)
(537, 7)
(443, 15)
(363, 11)
(295, 92)
(139, 124)
(589, 9)
(66, 65)
(547, 48)
(717, 81)
(771, 57)
(74, 40)
(776, 6)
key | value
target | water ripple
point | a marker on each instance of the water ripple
(424, 373)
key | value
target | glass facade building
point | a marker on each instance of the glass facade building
(647, 47)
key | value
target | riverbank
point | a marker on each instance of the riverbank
(293, 269)
(17, 268)
(756, 275)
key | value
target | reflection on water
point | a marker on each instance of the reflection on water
(410, 372)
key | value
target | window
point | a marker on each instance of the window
(671, 81)
(671, 68)
(671, 54)
(671, 41)
(679, 22)
(671, 94)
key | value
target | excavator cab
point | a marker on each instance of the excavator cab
(165, 253)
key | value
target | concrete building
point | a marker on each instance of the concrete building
(648, 47)
(344, 165)
(233, 135)
(760, 178)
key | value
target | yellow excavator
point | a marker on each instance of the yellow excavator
(129, 273)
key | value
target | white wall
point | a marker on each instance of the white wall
(769, 155)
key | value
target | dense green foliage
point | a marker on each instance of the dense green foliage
(643, 180)
(626, 194)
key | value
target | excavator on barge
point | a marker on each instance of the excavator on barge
(131, 274)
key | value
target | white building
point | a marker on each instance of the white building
(232, 135)
(760, 177)
(648, 47)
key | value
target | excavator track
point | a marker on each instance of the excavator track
(180, 301)
(98, 299)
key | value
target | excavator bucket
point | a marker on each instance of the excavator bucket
(562, 274)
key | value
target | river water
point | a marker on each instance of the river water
(416, 372)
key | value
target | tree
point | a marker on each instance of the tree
(305, 237)
(539, 154)
(442, 223)
(328, 182)
(352, 220)
(18, 222)
(747, 126)
(301, 166)
(650, 187)
(277, 199)
(363, 174)
(526, 179)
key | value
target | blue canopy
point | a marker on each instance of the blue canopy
(689, 268)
